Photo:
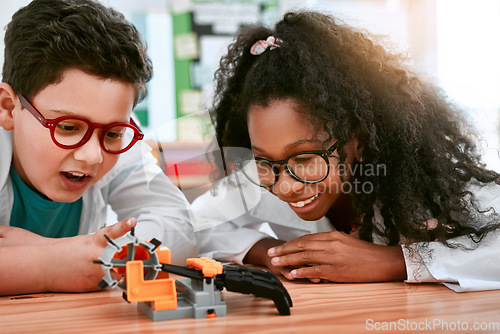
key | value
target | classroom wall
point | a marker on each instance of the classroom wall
(7, 8)
(458, 43)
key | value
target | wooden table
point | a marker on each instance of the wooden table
(318, 308)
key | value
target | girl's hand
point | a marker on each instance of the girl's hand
(338, 257)
(258, 256)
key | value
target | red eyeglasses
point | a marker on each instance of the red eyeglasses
(71, 131)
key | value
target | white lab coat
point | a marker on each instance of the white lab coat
(232, 235)
(134, 187)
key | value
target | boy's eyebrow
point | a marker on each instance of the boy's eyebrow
(61, 111)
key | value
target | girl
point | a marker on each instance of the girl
(341, 128)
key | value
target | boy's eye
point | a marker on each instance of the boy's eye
(68, 127)
(114, 135)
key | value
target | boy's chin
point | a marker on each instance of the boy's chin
(64, 197)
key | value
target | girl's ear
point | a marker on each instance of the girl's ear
(8, 99)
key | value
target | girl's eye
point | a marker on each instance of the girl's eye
(302, 159)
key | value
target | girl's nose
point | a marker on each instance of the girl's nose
(287, 185)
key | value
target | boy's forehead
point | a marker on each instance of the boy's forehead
(80, 94)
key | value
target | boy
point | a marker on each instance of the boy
(73, 72)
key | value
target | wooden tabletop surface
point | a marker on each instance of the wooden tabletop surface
(394, 307)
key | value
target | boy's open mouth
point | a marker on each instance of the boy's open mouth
(73, 176)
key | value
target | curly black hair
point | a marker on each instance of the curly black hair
(346, 80)
(47, 37)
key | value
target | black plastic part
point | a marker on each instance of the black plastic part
(183, 271)
(260, 283)
(124, 296)
(103, 284)
(155, 242)
(111, 241)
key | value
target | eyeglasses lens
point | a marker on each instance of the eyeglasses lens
(118, 137)
(308, 167)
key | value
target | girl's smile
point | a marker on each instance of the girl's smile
(301, 204)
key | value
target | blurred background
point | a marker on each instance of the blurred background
(455, 42)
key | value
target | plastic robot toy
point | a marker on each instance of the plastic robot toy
(146, 265)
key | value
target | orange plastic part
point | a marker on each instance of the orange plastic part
(209, 267)
(161, 292)
(163, 253)
(164, 257)
(140, 254)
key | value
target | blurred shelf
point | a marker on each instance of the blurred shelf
(186, 164)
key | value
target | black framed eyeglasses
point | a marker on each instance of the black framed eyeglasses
(307, 167)
(71, 131)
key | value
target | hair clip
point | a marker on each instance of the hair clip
(260, 46)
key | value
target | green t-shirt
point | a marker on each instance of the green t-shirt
(40, 215)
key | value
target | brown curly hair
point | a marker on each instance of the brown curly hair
(346, 80)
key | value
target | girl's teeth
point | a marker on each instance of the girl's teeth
(302, 203)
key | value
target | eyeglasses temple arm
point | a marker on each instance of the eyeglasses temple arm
(141, 134)
(332, 148)
(27, 104)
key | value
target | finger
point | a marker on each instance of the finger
(117, 230)
(115, 275)
(314, 273)
(121, 228)
(286, 273)
(305, 242)
(307, 257)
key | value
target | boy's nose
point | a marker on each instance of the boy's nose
(91, 151)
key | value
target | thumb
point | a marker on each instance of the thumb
(117, 230)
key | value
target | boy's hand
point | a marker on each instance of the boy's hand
(69, 263)
(15, 236)
(338, 257)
